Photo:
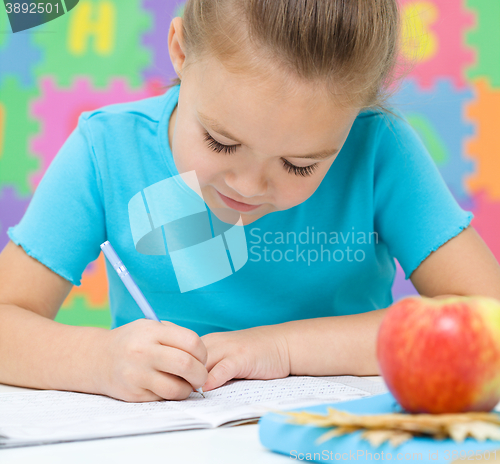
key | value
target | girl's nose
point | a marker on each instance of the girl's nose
(248, 182)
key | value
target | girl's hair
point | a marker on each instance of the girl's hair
(352, 46)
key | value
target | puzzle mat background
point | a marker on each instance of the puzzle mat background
(110, 51)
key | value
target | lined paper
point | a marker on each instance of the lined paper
(49, 416)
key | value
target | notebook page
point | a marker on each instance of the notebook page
(251, 399)
(58, 415)
(51, 416)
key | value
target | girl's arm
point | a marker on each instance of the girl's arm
(462, 266)
(345, 345)
(35, 351)
(141, 361)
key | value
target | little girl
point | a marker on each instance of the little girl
(279, 112)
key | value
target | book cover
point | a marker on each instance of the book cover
(298, 442)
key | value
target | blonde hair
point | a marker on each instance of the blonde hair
(350, 45)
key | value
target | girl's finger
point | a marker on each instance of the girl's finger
(216, 350)
(145, 396)
(222, 372)
(177, 362)
(183, 339)
(214, 356)
(169, 387)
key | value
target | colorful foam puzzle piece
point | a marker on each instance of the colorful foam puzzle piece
(487, 221)
(433, 38)
(18, 56)
(5, 29)
(80, 314)
(402, 287)
(468, 204)
(485, 38)
(94, 287)
(16, 127)
(12, 209)
(438, 115)
(58, 121)
(162, 12)
(484, 146)
(100, 39)
(2, 127)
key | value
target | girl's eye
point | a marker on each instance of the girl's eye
(299, 171)
(217, 146)
(290, 168)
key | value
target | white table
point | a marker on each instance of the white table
(222, 445)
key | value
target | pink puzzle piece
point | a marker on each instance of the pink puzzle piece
(436, 33)
(58, 111)
(487, 221)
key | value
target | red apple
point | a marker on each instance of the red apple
(441, 355)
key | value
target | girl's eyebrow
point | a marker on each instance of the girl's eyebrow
(214, 125)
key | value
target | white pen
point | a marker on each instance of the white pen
(132, 287)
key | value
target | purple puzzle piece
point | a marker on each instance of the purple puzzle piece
(162, 12)
(402, 287)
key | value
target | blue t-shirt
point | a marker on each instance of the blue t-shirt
(383, 198)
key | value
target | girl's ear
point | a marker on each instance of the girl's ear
(176, 45)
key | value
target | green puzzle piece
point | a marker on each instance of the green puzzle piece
(100, 39)
(79, 313)
(430, 137)
(17, 163)
(5, 29)
(179, 10)
(485, 39)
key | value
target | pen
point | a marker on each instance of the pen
(132, 287)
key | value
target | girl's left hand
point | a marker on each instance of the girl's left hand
(256, 353)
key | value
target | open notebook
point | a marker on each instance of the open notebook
(50, 416)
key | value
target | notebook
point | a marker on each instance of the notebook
(50, 416)
(298, 441)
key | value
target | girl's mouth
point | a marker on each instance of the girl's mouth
(238, 206)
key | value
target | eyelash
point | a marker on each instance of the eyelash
(289, 167)
(218, 147)
(299, 170)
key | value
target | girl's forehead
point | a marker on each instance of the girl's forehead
(267, 115)
(274, 93)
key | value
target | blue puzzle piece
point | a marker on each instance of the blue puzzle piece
(440, 112)
(18, 57)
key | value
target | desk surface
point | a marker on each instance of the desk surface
(208, 446)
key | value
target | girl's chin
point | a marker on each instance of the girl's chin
(230, 215)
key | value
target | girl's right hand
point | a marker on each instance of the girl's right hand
(148, 361)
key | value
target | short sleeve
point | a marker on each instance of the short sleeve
(415, 212)
(64, 224)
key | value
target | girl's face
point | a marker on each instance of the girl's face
(257, 146)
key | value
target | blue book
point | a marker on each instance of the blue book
(298, 441)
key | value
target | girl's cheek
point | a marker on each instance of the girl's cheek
(185, 152)
(193, 157)
(293, 191)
